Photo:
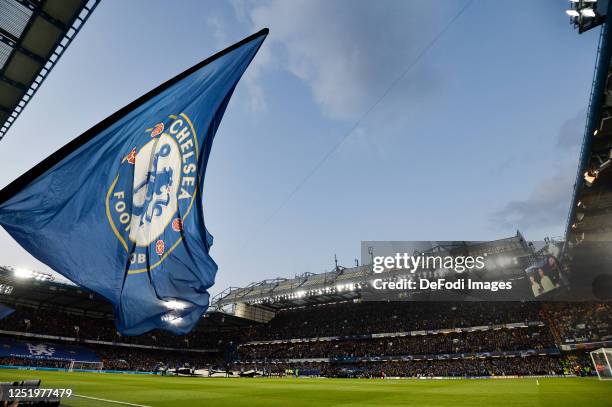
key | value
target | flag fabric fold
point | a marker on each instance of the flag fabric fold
(119, 209)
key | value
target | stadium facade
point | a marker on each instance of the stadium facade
(507, 259)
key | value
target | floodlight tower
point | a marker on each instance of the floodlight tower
(584, 16)
(587, 14)
(588, 232)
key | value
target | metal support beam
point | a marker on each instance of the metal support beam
(69, 33)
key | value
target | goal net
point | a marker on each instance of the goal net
(601, 360)
(83, 365)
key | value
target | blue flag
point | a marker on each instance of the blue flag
(119, 209)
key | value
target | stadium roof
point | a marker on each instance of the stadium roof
(41, 290)
(33, 36)
(345, 284)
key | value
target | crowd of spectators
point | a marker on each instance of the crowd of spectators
(135, 359)
(518, 366)
(352, 324)
(14, 361)
(582, 322)
(576, 322)
(53, 322)
(124, 358)
(578, 363)
(377, 317)
(524, 366)
(456, 342)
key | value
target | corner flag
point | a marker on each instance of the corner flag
(118, 210)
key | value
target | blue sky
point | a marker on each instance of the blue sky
(478, 139)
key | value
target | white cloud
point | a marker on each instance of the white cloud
(347, 52)
(548, 203)
(545, 208)
(252, 77)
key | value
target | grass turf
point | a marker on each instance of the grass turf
(156, 391)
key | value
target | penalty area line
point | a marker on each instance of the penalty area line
(110, 401)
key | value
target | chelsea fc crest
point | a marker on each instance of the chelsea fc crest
(154, 192)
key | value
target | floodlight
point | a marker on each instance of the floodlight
(590, 177)
(174, 304)
(572, 13)
(587, 12)
(503, 261)
(172, 319)
(23, 273)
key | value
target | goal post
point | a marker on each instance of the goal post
(85, 365)
(601, 361)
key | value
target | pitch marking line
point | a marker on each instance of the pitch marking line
(111, 401)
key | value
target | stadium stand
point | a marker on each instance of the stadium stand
(313, 325)
(578, 322)
(43, 321)
(121, 359)
(536, 365)
(347, 340)
(446, 345)
(452, 343)
(338, 318)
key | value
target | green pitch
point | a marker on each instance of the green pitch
(158, 391)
